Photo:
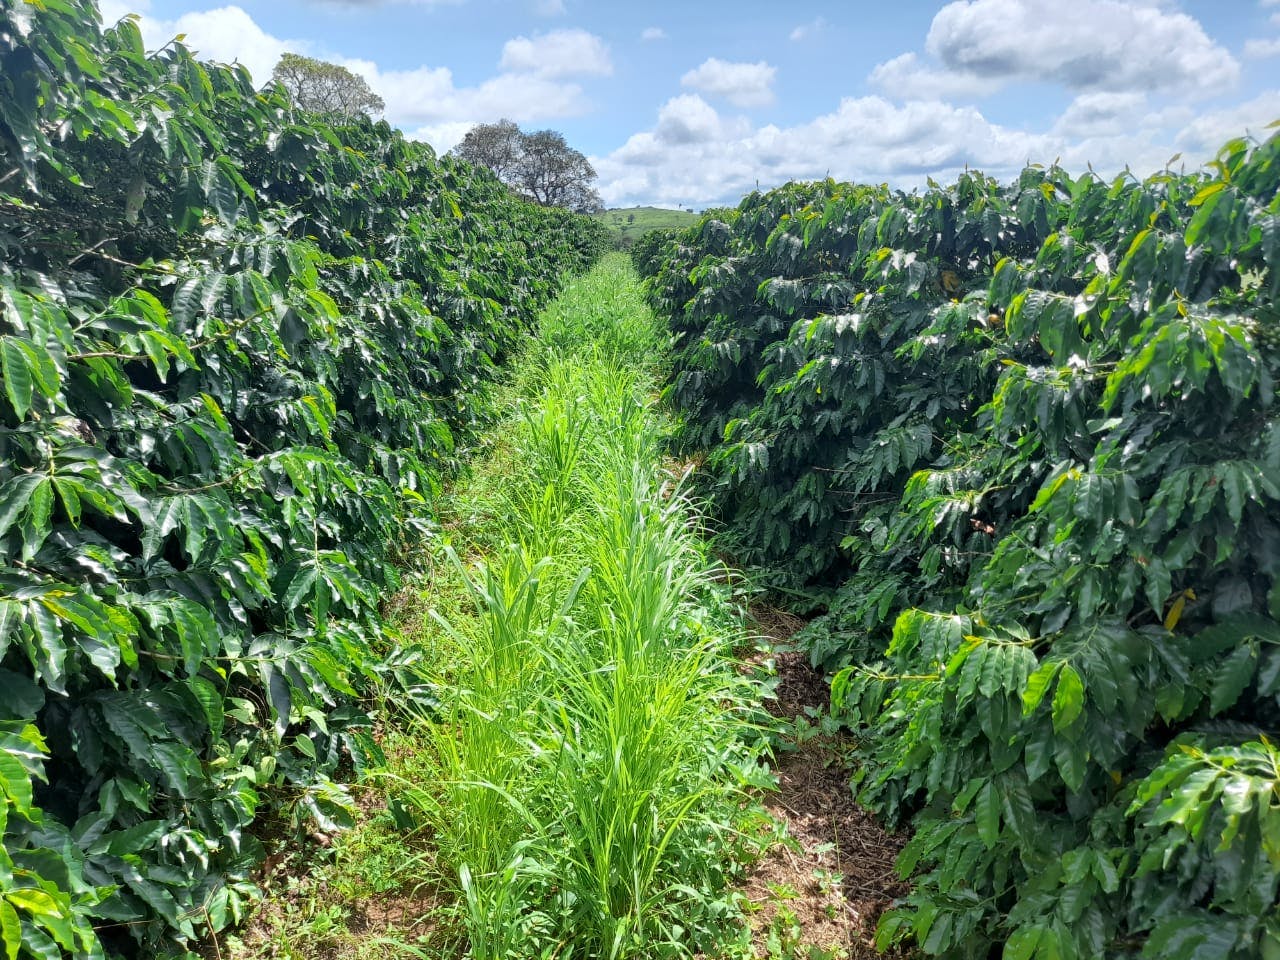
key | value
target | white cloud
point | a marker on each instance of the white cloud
(560, 53)
(980, 46)
(1101, 114)
(1261, 49)
(532, 87)
(427, 97)
(1114, 45)
(906, 78)
(693, 157)
(442, 136)
(113, 11)
(688, 119)
(367, 4)
(742, 84)
(1207, 132)
(653, 33)
(807, 30)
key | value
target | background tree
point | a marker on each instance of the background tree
(326, 88)
(496, 146)
(540, 165)
(554, 174)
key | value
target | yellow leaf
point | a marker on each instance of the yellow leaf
(1175, 611)
(1205, 192)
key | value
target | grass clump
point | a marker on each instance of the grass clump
(584, 776)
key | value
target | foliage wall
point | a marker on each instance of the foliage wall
(1030, 428)
(237, 349)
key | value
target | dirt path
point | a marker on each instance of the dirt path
(819, 892)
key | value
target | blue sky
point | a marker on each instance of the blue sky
(694, 103)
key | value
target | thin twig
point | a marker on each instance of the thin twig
(88, 251)
(231, 330)
(170, 488)
(146, 268)
(212, 932)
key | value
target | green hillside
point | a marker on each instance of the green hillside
(629, 230)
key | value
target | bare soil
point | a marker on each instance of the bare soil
(303, 917)
(833, 875)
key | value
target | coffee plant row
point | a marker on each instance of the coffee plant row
(237, 348)
(1025, 436)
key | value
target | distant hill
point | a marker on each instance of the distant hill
(631, 223)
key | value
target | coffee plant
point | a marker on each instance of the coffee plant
(238, 346)
(648, 251)
(1029, 430)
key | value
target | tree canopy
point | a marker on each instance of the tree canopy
(492, 145)
(326, 88)
(541, 165)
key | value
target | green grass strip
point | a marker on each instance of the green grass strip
(585, 773)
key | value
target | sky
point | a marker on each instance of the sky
(692, 103)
